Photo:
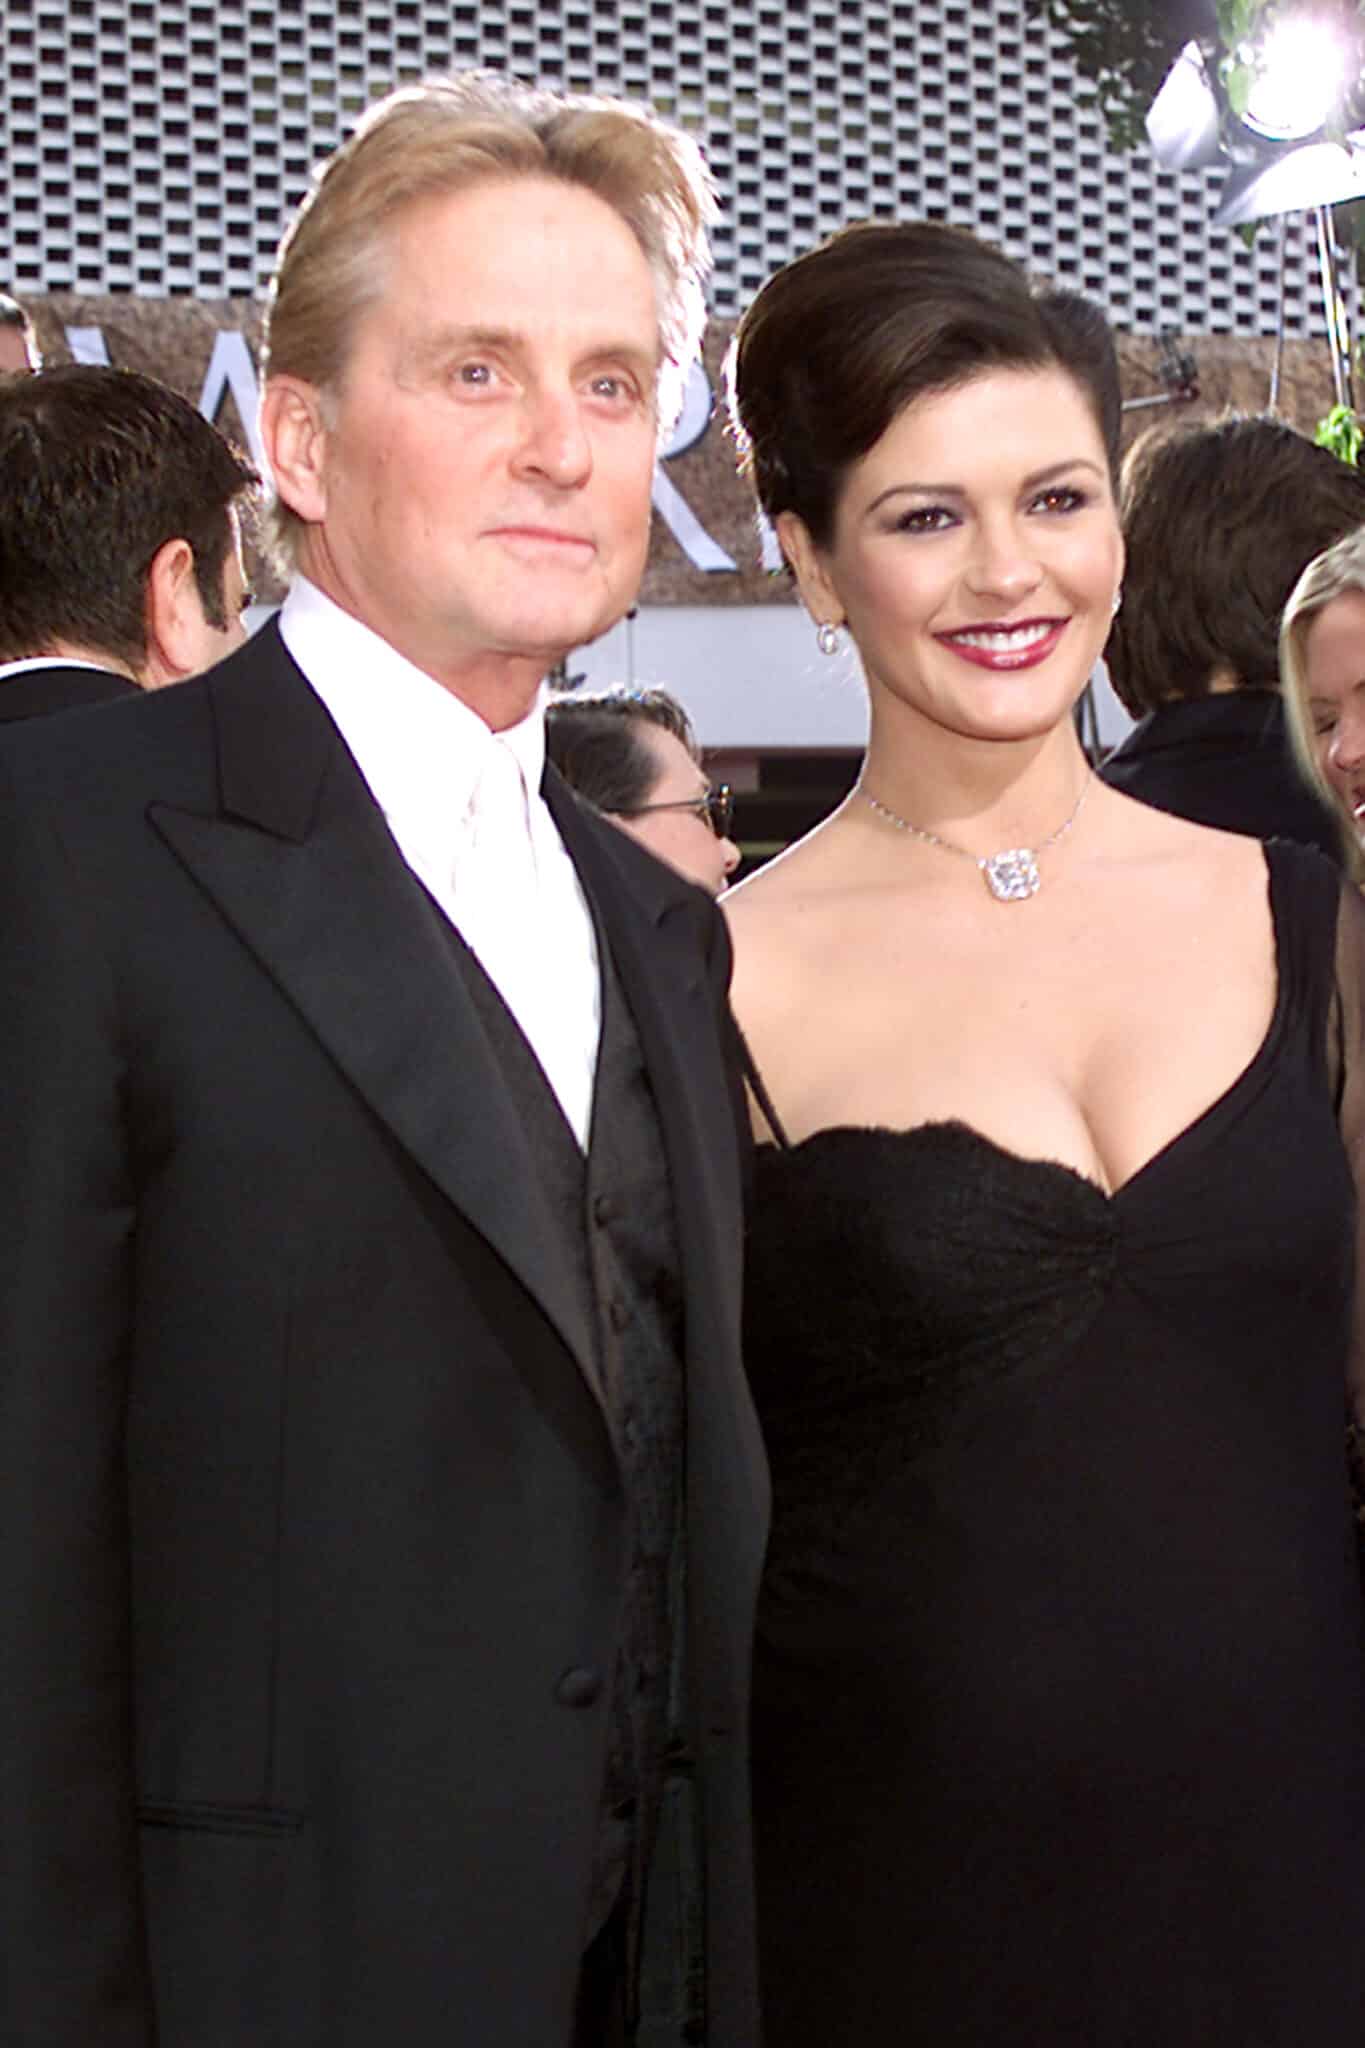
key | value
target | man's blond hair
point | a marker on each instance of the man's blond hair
(449, 134)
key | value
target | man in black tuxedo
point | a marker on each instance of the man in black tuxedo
(381, 1503)
(120, 539)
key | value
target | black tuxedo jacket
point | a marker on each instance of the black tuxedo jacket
(59, 686)
(311, 1531)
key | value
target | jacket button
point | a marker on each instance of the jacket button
(603, 1209)
(618, 1313)
(579, 1687)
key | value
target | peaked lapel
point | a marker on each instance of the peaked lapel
(301, 863)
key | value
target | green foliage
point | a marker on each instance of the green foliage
(1238, 21)
(1125, 50)
(1341, 431)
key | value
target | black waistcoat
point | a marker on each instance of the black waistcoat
(617, 1209)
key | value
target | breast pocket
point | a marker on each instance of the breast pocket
(220, 1885)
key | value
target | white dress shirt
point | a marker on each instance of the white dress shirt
(32, 661)
(464, 806)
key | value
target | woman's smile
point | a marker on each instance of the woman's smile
(1006, 646)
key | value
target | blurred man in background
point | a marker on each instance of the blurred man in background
(632, 754)
(120, 539)
(1219, 518)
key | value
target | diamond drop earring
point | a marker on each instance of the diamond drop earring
(827, 637)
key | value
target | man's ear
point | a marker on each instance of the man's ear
(173, 612)
(818, 594)
(294, 434)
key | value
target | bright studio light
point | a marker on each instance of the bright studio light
(1298, 79)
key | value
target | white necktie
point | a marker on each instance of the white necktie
(526, 928)
(499, 831)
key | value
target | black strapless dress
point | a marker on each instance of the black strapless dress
(1059, 1728)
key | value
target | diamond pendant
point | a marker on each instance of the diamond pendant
(1013, 875)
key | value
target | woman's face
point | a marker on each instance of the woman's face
(1334, 681)
(976, 554)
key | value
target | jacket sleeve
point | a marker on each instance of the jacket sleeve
(73, 1969)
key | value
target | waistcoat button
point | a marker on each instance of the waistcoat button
(579, 1687)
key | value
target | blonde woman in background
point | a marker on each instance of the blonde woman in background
(1322, 666)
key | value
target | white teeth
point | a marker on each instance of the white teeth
(1004, 640)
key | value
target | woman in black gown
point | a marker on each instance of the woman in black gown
(1059, 1734)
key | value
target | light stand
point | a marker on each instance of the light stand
(1334, 309)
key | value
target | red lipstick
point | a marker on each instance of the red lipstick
(1023, 643)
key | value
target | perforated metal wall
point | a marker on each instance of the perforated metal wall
(157, 146)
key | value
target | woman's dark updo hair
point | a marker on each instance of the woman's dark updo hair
(838, 342)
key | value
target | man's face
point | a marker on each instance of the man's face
(673, 823)
(485, 469)
(15, 359)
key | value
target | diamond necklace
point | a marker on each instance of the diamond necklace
(1011, 876)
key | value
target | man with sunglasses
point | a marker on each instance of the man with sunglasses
(632, 754)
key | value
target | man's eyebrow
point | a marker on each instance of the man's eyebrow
(440, 341)
(430, 348)
(621, 347)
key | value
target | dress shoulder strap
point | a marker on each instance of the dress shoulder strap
(758, 1088)
(1305, 898)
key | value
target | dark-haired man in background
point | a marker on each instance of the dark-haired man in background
(1219, 518)
(120, 539)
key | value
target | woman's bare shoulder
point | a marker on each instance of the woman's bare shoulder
(788, 900)
(1177, 852)
(783, 921)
